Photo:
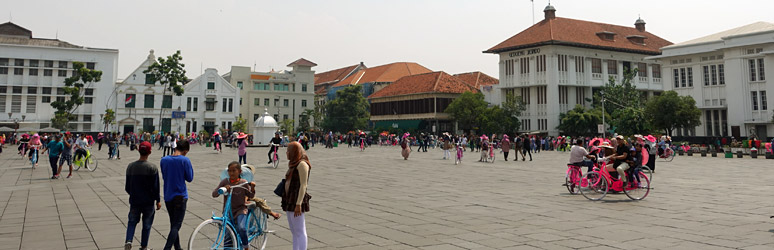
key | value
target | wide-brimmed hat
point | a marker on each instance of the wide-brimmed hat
(241, 135)
(216, 133)
(606, 145)
(651, 138)
(619, 137)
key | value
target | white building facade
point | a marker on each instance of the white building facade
(32, 75)
(727, 74)
(220, 104)
(285, 94)
(559, 63)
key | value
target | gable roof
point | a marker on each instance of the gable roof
(717, 37)
(579, 33)
(302, 62)
(433, 82)
(12, 29)
(13, 34)
(477, 79)
(384, 73)
(334, 75)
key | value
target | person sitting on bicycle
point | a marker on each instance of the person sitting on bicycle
(484, 148)
(35, 143)
(276, 141)
(23, 143)
(578, 154)
(622, 155)
(238, 198)
(81, 147)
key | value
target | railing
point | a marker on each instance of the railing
(656, 80)
(596, 75)
(563, 108)
(542, 109)
(643, 79)
(580, 78)
(563, 78)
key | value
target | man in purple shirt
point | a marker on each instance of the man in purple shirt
(176, 169)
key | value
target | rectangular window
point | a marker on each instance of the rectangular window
(706, 75)
(149, 79)
(580, 64)
(708, 122)
(61, 73)
(2, 103)
(721, 75)
(34, 63)
(48, 72)
(188, 104)
(195, 106)
(89, 92)
(277, 87)
(60, 91)
(4, 62)
(257, 86)
(240, 85)
(761, 70)
(62, 64)
(642, 69)
(524, 63)
(149, 102)
(210, 85)
(714, 75)
(754, 100)
(31, 101)
(562, 62)
(17, 90)
(147, 124)
(285, 103)
(18, 71)
(677, 78)
(32, 90)
(266, 102)
(753, 76)
(210, 104)
(60, 99)
(683, 78)
(48, 64)
(3, 71)
(46, 99)
(90, 65)
(612, 67)
(257, 101)
(18, 62)
(303, 103)
(86, 118)
(764, 103)
(690, 77)
(266, 86)
(230, 104)
(284, 117)
(88, 100)
(303, 87)
(541, 63)
(276, 102)
(3, 89)
(166, 103)
(33, 72)
(225, 103)
(16, 103)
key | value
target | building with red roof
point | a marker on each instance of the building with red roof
(417, 102)
(323, 81)
(376, 78)
(558, 63)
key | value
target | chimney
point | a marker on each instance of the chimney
(640, 24)
(550, 12)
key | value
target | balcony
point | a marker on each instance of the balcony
(596, 76)
(656, 80)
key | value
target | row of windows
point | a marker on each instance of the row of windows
(277, 86)
(596, 66)
(44, 90)
(683, 77)
(33, 63)
(35, 72)
(149, 101)
(716, 123)
(762, 101)
(285, 102)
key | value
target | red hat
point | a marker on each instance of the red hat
(145, 148)
(67, 133)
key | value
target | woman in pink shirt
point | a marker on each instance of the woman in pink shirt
(242, 148)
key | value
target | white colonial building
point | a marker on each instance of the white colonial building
(32, 74)
(208, 103)
(560, 62)
(285, 94)
(726, 73)
(220, 102)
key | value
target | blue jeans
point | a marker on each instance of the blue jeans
(135, 212)
(241, 228)
(176, 210)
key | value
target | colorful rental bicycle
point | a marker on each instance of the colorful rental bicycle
(220, 232)
(491, 155)
(88, 161)
(274, 157)
(595, 184)
(573, 178)
(458, 160)
(668, 155)
(33, 156)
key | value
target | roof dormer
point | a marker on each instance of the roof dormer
(637, 39)
(606, 35)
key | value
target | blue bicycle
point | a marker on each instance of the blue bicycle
(33, 156)
(220, 232)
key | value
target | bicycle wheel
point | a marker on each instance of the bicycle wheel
(671, 155)
(637, 190)
(646, 170)
(572, 179)
(258, 230)
(90, 163)
(209, 235)
(276, 160)
(593, 186)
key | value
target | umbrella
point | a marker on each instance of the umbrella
(49, 130)
(6, 129)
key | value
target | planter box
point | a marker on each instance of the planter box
(690, 152)
(714, 154)
(729, 154)
(769, 155)
(704, 153)
(739, 154)
(754, 154)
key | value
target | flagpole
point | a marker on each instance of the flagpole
(533, 11)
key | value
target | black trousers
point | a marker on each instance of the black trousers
(176, 209)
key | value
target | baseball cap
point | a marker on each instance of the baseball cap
(145, 148)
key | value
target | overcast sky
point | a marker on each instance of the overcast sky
(443, 35)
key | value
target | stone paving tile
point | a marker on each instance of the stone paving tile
(376, 200)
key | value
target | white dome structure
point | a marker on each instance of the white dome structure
(264, 129)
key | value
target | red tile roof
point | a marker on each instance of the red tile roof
(384, 73)
(433, 82)
(571, 32)
(333, 75)
(477, 79)
(302, 62)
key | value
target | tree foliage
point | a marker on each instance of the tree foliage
(303, 121)
(625, 104)
(471, 112)
(74, 87)
(669, 111)
(169, 73)
(466, 110)
(287, 126)
(240, 125)
(349, 111)
(580, 121)
(317, 113)
(108, 118)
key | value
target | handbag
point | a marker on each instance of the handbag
(280, 190)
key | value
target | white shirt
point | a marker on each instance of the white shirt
(577, 154)
(82, 143)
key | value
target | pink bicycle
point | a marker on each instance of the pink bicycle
(458, 160)
(573, 178)
(491, 157)
(595, 184)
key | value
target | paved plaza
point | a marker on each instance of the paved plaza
(377, 200)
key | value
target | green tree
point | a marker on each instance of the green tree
(108, 118)
(74, 87)
(303, 122)
(669, 111)
(349, 111)
(466, 110)
(287, 126)
(317, 113)
(240, 125)
(580, 121)
(512, 108)
(170, 73)
(625, 104)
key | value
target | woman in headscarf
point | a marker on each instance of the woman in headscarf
(295, 200)
(405, 145)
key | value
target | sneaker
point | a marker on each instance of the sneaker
(57, 177)
(69, 175)
(53, 177)
(128, 245)
(269, 162)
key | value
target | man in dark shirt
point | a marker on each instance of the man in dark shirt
(276, 140)
(622, 155)
(142, 185)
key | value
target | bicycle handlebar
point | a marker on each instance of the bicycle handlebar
(222, 190)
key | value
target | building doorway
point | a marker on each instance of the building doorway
(128, 129)
(760, 132)
(736, 132)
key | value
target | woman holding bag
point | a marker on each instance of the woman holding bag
(295, 199)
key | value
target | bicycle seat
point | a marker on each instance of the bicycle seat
(250, 205)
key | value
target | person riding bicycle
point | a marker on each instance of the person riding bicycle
(274, 145)
(484, 148)
(216, 139)
(362, 139)
(238, 199)
(34, 145)
(578, 154)
(23, 143)
(81, 148)
(623, 156)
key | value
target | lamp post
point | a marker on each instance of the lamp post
(16, 124)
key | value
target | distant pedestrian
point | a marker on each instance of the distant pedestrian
(405, 146)
(506, 146)
(242, 152)
(295, 199)
(67, 154)
(176, 169)
(54, 148)
(142, 185)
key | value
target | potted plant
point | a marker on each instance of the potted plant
(754, 153)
